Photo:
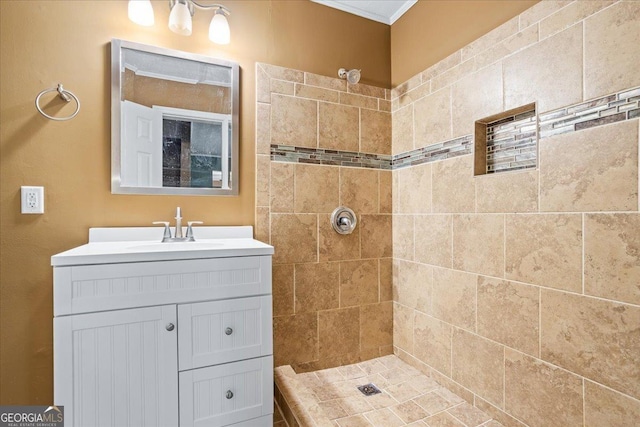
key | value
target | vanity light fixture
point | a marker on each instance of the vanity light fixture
(141, 12)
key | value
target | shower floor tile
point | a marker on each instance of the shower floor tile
(331, 398)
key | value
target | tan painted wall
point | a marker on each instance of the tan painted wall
(433, 29)
(47, 42)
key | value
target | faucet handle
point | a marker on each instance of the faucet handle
(167, 230)
(189, 235)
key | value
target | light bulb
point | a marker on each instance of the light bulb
(141, 12)
(180, 19)
(219, 31)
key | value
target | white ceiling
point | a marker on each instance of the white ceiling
(385, 11)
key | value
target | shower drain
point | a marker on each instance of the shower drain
(369, 389)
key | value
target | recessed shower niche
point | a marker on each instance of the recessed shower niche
(507, 141)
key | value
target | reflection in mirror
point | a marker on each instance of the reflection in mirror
(174, 122)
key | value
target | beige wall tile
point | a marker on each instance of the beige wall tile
(262, 180)
(412, 96)
(612, 49)
(545, 250)
(325, 82)
(540, 11)
(403, 327)
(334, 246)
(405, 87)
(540, 394)
(433, 239)
(283, 290)
(402, 130)
(612, 256)
(282, 87)
(283, 73)
(518, 41)
(295, 339)
(591, 170)
(282, 186)
(478, 244)
(375, 132)
(605, 407)
(508, 313)
(540, 74)
(376, 237)
(317, 286)
(294, 121)
(477, 364)
(491, 38)
(358, 282)
(263, 220)
(442, 66)
(453, 185)
(412, 284)
(453, 298)
(385, 194)
(498, 414)
(453, 74)
(367, 90)
(475, 97)
(414, 189)
(316, 188)
(376, 325)
(432, 342)
(359, 190)
(358, 101)
(432, 118)
(313, 92)
(263, 86)
(385, 271)
(339, 127)
(339, 332)
(384, 105)
(294, 238)
(594, 338)
(507, 192)
(263, 128)
(403, 246)
(569, 15)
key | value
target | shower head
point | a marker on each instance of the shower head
(352, 76)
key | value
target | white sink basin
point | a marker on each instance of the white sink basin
(176, 246)
(131, 244)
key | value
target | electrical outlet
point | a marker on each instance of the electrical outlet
(32, 200)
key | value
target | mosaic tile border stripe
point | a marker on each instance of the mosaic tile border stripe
(624, 105)
(512, 143)
(620, 106)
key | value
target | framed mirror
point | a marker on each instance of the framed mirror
(174, 122)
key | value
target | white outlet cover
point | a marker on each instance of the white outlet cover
(32, 200)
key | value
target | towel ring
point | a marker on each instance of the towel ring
(64, 94)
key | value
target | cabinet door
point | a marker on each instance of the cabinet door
(117, 368)
(227, 394)
(223, 331)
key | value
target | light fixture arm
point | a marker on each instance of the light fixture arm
(192, 5)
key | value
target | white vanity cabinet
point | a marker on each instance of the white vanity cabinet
(147, 335)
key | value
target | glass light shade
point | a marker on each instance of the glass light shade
(141, 12)
(219, 31)
(180, 19)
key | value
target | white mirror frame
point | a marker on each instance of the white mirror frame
(116, 130)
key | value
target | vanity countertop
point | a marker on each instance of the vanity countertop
(143, 244)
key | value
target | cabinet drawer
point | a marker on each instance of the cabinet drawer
(216, 332)
(89, 288)
(226, 394)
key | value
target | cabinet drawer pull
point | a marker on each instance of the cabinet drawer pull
(170, 327)
(228, 331)
(229, 394)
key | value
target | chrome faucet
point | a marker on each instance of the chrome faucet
(166, 237)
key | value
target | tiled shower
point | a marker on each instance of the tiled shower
(519, 291)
